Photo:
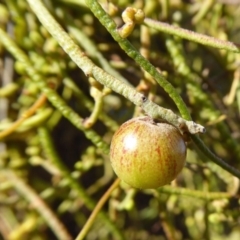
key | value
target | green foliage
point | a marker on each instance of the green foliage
(65, 92)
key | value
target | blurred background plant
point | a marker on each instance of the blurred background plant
(57, 123)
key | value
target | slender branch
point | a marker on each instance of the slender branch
(203, 10)
(93, 52)
(8, 90)
(51, 153)
(199, 143)
(30, 195)
(96, 210)
(110, 25)
(182, 67)
(97, 94)
(192, 36)
(90, 69)
(108, 121)
(34, 121)
(40, 101)
(194, 193)
(51, 94)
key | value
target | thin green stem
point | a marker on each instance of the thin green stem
(40, 101)
(90, 69)
(31, 122)
(30, 195)
(192, 36)
(182, 67)
(8, 90)
(51, 94)
(203, 10)
(202, 147)
(194, 193)
(51, 153)
(94, 53)
(91, 120)
(108, 121)
(96, 210)
(110, 25)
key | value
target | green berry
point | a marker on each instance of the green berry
(145, 154)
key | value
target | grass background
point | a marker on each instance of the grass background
(52, 175)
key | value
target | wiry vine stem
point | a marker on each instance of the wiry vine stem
(194, 193)
(51, 94)
(192, 36)
(96, 210)
(110, 25)
(51, 153)
(90, 69)
(33, 198)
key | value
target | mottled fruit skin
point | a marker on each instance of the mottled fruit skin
(145, 154)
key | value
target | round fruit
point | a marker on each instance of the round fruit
(145, 154)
